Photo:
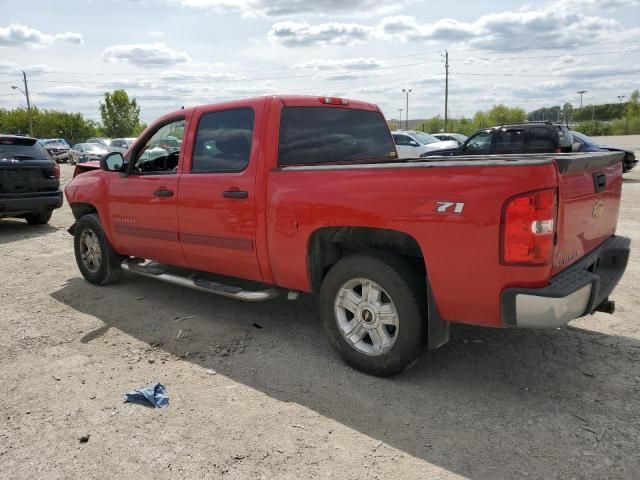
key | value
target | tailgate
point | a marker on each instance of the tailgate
(16, 178)
(590, 186)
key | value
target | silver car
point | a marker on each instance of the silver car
(121, 144)
(86, 152)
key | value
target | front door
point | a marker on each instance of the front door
(143, 205)
(216, 197)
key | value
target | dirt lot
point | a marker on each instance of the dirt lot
(490, 405)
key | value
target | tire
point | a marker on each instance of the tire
(356, 323)
(98, 262)
(39, 218)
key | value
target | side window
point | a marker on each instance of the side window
(223, 141)
(509, 140)
(160, 153)
(480, 142)
(403, 140)
(541, 139)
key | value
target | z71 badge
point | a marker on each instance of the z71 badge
(446, 207)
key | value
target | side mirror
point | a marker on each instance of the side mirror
(413, 143)
(112, 162)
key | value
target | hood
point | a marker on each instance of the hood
(444, 144)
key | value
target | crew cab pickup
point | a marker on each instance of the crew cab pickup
(289, 194)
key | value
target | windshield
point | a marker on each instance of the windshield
(583, 138)
(424, 138)
(94, 147)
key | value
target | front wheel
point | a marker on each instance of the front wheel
(98, 262)
(373, 312)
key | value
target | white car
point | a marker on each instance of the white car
(412, 144)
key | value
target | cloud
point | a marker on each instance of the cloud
(281, 8)
(359, 63)
(16, 35)
(553, 26)
(301, 34)
(145, 55)
(12, 68)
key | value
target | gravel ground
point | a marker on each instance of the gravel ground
(256, 391)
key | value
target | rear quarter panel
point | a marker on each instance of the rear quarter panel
(461, 251)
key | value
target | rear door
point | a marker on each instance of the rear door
(25, 168)
(590, 186)
(216, 198)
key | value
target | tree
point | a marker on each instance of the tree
(633, 105)
(120, 116)
(73, 127)
(500, 114)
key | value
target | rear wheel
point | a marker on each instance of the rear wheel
(39, 218)
(98, 262)
(373, 311)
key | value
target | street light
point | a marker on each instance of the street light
(581, 93)
(400, 118)
(620, 97)
(406, 123)
(25, 92)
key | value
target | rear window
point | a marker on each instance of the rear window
(11, 150)
(311, 135)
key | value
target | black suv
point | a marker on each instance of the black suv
(538, 137)
(29, 180)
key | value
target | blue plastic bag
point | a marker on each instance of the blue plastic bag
(152, 395)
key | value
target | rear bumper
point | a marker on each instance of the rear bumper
(30, 202)
(573, 293)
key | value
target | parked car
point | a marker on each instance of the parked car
(306, 194)
(456, 137)
(29, 180)
(534, 137)
(87, 152)
(58, 148)
(412, 144)
(102, 140)
(121, 144)
(583, 143)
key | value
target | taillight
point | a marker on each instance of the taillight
(56, 170)
(558, 150)
(528, 228)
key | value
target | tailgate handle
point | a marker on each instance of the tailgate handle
(599, 181)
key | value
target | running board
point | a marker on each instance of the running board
(159, 272)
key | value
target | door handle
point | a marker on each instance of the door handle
(163, 192)
(235, 194)
(599, 182)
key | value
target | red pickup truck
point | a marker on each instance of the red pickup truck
(285, 194)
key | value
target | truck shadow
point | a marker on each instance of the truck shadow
(491, 404)
(12, 230)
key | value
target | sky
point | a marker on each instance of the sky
(170, 53)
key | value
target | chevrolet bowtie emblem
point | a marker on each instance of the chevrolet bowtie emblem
(598, 208)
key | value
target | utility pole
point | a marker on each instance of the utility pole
(25, 92)
(446, 88)
(620, 97)
(406, 112)
(399, 126)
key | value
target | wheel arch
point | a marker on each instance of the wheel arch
(327, 245)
